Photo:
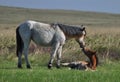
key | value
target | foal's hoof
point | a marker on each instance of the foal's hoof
(49, 66)
(28, 66)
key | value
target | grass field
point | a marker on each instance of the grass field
(106, 72)
(103, 35)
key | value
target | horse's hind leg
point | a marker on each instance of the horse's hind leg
(59, 56)
(53, 54)
(26, 40)
(26, 50)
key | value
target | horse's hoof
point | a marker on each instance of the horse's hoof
(58, 66)
(28, 66)
(19, 66)
(49, 66)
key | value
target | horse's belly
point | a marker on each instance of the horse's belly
(43, 42)
(43, 39)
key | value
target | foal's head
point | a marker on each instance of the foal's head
(92, 56)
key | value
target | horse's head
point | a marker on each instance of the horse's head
(81, 36)
(76, 32)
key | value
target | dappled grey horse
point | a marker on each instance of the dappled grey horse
(53, 35)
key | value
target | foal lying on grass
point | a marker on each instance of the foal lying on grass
(92, 56)
(84, 65)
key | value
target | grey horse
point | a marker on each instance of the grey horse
(48, 35)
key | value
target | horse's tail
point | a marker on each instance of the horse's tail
(19, 42)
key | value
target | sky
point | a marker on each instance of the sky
(108, 6)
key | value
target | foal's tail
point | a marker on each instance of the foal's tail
(19, 42)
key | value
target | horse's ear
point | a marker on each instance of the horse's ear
(83, 28)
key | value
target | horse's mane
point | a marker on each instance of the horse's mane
(71, 30)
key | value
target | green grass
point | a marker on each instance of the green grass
(108, 72)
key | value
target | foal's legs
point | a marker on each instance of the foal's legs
(53, 53)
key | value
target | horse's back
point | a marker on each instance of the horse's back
(41, 33)
(34, 24)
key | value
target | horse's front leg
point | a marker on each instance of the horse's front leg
(53, 54)
(59, 56)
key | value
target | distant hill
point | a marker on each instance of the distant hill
(14, 15)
